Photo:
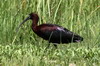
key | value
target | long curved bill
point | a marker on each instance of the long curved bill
(22, 23)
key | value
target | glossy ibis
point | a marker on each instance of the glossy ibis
(52, 32)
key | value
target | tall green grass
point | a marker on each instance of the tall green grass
(26, 48)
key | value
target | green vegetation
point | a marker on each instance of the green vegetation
(25, 48)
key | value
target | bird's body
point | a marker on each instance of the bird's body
(55, 34)
(51, 32)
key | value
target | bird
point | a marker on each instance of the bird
(53, 33)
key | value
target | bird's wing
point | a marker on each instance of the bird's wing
(55, 31)
(57, 34)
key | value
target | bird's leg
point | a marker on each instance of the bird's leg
(55, 44)
(48, 46)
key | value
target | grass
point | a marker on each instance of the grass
(25, 48)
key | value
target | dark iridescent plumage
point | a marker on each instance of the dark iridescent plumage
(51, 32)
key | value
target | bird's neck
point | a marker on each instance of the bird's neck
(34, 24)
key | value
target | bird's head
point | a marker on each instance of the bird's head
(32, 16)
